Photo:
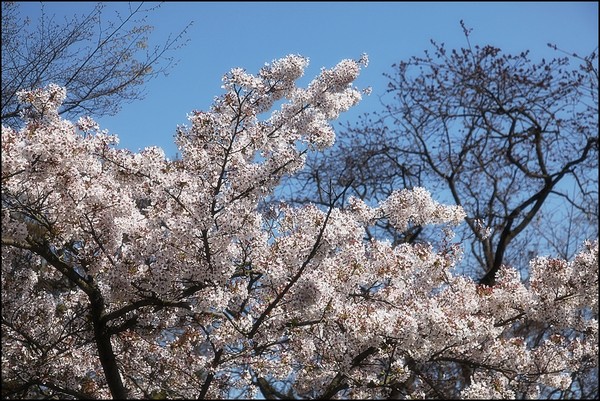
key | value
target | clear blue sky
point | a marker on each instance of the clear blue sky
(248, 34)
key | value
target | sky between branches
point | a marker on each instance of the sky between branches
(248, 34)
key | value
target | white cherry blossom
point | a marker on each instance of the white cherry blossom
(130, 275)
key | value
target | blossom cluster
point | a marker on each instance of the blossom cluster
(174, 271)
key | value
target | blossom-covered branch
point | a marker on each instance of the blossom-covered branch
(130, 275)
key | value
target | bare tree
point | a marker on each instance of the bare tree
(512, 141)
(515, 143)
(102, 61)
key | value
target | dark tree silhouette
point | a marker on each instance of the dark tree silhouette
(514, 142)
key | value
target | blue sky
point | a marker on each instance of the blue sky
(248, 34)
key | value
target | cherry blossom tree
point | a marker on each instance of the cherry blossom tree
(128, 275)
